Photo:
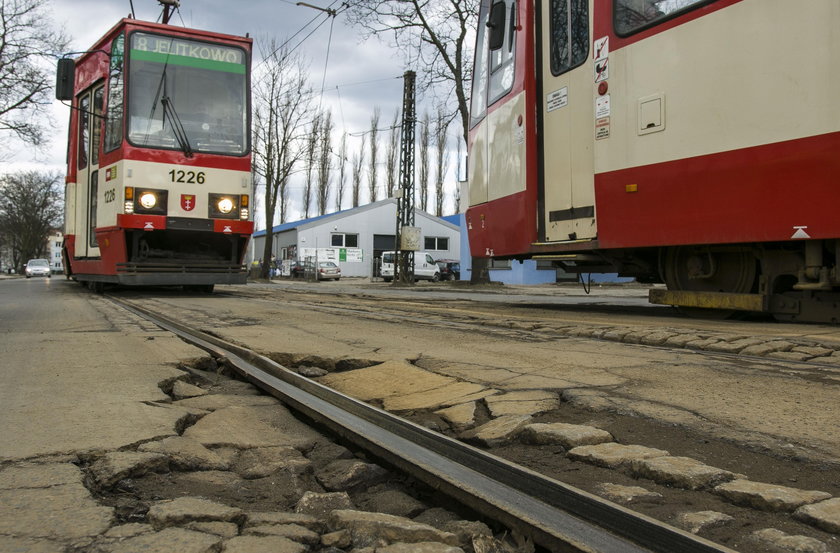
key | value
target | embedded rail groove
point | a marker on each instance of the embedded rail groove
(555, 515)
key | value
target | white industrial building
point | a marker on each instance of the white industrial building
(355, 238)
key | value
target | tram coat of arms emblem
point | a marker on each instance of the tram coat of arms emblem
(187, 202)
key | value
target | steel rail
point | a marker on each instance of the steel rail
(555, 515)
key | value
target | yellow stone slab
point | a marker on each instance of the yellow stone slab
(392, 378)
(438, 397)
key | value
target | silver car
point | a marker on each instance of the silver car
(38, 267)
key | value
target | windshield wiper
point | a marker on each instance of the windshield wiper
(177, 127)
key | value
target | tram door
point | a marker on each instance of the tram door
(497, 159)
(566, 150)
(87, 175)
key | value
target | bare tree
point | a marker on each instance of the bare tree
(374, 147)
(282, 106)
(441, 158)
(358, 163)
(28, 45)
(438, 31)
(311, 160)
(423, 162)
(392, 156)
(30, 208)
(342, 172)
(324, 162)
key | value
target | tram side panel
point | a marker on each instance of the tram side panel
(718, 124)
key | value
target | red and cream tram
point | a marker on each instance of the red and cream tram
(691, 142)
(158, 166)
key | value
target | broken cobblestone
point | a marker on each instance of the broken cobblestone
(682, 472)
(786, 542)
(567, 435)
(612, 455)
(702, 520)
(768, 497)
(825, 515)
(628, 494)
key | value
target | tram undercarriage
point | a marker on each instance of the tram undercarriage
(793, 281)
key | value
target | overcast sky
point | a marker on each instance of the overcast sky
(350, 67)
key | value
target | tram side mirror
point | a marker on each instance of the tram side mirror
(64, 79)
(496, 26)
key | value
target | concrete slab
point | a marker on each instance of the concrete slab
(682, 472)
(163, 514)
(392, 378)
(106, 368)
(566, 435)
(628, 494)
(825, 515)
(460, 416)
(780, 541)
(523, 402)
(498, 431)
(62, 513)
(239, 427)
(451, 394)
(768, 497)
(612, 455)
(167, 541)
(702, 520)
(32, 475)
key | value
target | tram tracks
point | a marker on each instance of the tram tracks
(556, 516)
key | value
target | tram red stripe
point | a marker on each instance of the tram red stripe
(754, 194)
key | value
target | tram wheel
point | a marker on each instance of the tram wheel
(703, 269)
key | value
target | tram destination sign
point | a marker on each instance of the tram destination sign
(176, 51)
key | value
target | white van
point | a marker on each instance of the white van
(424, 266)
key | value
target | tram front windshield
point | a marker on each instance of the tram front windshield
(187, 94)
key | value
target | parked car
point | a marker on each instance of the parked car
(424, 266)
(326, 270)
(298, 269)
(38, 267)
(450, 269)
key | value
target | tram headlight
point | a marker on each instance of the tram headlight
(223, 206)
(148, 200)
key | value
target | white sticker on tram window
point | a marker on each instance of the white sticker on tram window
(602, 106)
(602, 70)
(800, 233)
(602, 128)
(601, 48)
(557, 99)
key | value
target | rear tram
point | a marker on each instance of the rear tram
(690, 142)
(158, 186)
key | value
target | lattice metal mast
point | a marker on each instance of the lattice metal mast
(404, 266)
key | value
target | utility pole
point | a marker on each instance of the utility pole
(407, 236)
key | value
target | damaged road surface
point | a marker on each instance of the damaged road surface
(154, 448)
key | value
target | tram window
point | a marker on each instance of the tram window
(204, 86)
(84, 130)
(631, 16)
(502, 59)
(478, 98)
(92, 204)
(569, 28)
(96, 125)
(116, 95)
